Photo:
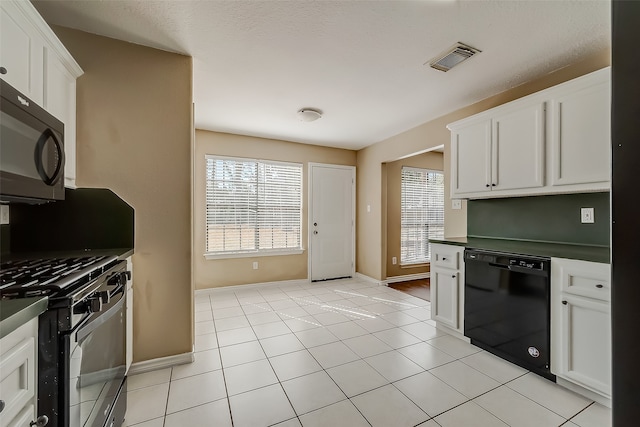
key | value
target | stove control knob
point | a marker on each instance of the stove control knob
(94, 304)
(104, 297)
(41, 421)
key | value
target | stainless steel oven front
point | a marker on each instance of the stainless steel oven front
(82, 354)
(97, 364)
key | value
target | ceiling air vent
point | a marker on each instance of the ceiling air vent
(453, 57)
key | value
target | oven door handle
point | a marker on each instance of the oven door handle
(104, 316)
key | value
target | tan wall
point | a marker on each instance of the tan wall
(432, 161)
(237, 271)
(371, 252)
(134, 136)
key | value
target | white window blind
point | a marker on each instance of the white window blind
(252, 206)
(422, 213)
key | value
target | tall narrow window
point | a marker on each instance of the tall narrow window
(253, 206)
(422, 213)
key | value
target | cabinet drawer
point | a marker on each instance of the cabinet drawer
(446, 256)
(588, 279)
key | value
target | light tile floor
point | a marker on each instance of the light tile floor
(342, 353)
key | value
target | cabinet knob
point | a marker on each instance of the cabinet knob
(599, 286)
(453, 277)
(41, 421)
(565, 303)
(488, 185)
(444, 259)
(493, 185)
(2, 404)
(315, 232)
(3, 70)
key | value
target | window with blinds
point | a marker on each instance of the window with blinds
(422, 213)
(253, 206)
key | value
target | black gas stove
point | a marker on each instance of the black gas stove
(81, 336)
(50, 276)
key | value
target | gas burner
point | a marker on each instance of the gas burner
(49, 276)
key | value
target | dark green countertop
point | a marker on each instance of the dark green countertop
(558, 250)
(16, 312)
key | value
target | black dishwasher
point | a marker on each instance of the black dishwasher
(507, 306)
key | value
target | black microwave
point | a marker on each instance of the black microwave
(31, 150)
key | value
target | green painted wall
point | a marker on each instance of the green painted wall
(541, 218)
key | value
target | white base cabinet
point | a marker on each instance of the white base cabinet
(18, 363)
(36, 63)
(581, 324)
(447, 286)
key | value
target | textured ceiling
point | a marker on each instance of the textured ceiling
(360, 62)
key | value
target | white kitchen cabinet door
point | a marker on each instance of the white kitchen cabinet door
(581, 137)
(18, 380)
(444, 296)
(518, 148)
(585, 334)
(60, 101)
(471, 158)
(21, 52)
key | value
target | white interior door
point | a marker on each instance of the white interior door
(331, 221)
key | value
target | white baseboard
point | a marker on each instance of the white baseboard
(452, 332)
(368, 279)
(585, 392)
(233, 288)
(406, 278)
(160, 363)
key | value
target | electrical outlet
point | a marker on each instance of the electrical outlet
(456, 204)
(394, 260)
(4, 214)
(587, 216)
(255, 265)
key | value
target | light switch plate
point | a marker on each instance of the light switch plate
(587, 216)
(456, 204)
(4, 214)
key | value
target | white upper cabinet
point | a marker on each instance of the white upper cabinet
(499, 152)
(581, 136)
(518, 148)
(553, 141)
(21, 51)
(472, 158)
(36, 63)
(60, 100)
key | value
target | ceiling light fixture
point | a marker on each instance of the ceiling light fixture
(452, 57)
(309, 114)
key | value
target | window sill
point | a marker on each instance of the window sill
(253, 254)
(416, 265)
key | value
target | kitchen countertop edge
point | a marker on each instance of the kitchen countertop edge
(556, 250)
(16, 312)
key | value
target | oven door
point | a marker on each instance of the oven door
(31, 150)
(97, 364)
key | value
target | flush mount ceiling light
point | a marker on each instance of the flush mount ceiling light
(452, 57)
(309, 114)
